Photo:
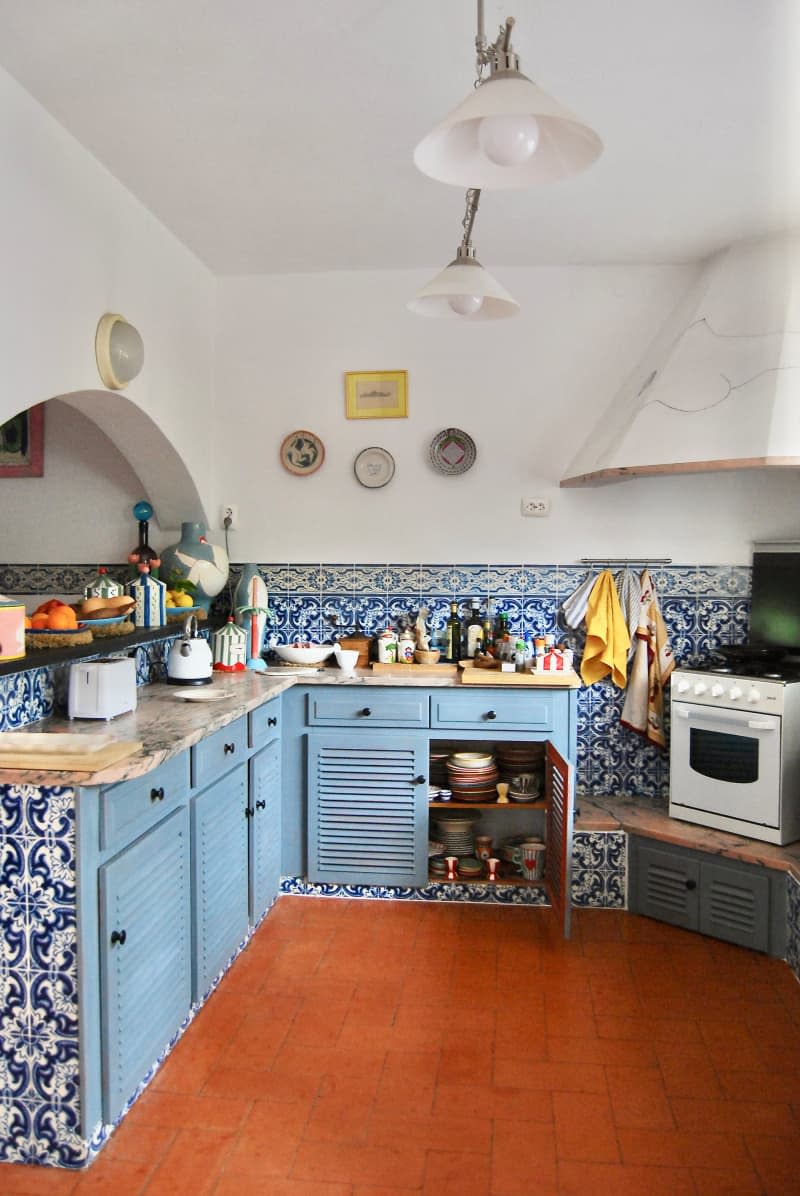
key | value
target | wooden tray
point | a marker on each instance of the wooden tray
(473, 676)
(53, 751)
(417, 670)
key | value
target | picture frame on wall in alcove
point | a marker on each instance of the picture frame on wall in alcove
(379, 394)
(22, 444)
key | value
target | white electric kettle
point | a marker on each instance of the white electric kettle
(190, 661)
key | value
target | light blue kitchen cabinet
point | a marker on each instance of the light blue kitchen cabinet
(264, 829)
(368, 807)
(219, 875)
(145, 955)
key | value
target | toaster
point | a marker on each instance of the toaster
(101, 688)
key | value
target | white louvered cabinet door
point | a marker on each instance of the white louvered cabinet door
(368, 807)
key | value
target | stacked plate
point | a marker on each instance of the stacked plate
(473, 776)
(456, 832)
(438, 768)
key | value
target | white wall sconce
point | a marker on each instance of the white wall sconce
(118, 350)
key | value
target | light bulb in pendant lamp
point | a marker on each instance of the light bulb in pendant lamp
(465, 305)
(508, 140)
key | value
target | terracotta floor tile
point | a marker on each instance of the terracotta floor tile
(21, 1179)
(456, 1173)
(638, 1098)
(192, 1165)
(636, 1052)
(339, 1162)
(585, 1131)
(230, 1183)
(280, 1087)
(121, 1178)
(139, 1143)
(257, 1041)
(609, 1179)
(183, 1111)
(448, 1131)
(775, 1160)
(755, 1117)
(779, 1086)
(523, 1163)
(720, 1182)
(695, 1148)
(548, 1076)
(341, 1111)
(478, 1100)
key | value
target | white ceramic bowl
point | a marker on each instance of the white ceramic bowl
(347, 658)
(313, 654)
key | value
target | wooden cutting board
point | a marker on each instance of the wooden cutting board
(473, 676)
(416, 670)
(56, 752)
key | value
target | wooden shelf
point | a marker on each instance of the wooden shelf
(539, 804)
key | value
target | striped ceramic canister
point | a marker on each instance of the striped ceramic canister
(230, 647)
(150, 595)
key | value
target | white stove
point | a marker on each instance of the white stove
(735, 750)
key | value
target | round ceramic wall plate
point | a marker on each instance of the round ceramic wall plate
(302, 452)
(374, 467)
(453, 451)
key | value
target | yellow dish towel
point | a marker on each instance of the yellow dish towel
(607, 636)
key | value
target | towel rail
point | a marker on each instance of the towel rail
(626, 560)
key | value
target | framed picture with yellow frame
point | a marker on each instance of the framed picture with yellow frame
(379, 394)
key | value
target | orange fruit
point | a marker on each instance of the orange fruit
(62, 618)
(39, 620)
(45, 607)
(28, 623)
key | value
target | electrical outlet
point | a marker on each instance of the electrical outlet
(535, 506)
(229, 511)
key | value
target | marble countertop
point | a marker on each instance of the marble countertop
(625, 813)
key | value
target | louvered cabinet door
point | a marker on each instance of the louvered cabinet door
(219, 875)
(666, 887)
(265, 829)
(368, 807)
(734, 905)
(560, 803)
(145, 958)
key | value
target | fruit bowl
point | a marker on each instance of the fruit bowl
(305, 653)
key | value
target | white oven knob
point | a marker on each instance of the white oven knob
(716, 690)
(700, 688)
(735, 693)
(683, 686)
(754, 696)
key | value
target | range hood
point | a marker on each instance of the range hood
(719, 388)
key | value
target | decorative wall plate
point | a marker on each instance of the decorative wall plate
(452, 451)
(374, 467)
(302, 452)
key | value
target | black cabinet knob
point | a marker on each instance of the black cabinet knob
(272, 722)
(490, 714)
(261, 805)
(691, 884)
(118, 936)
(157, 794)
(249, 811)
(366, 712)
(420, 780)
(229, 748)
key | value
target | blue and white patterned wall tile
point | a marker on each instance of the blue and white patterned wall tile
(25, 698)
(600, 869)
(482, 894)
(39, 1063)
(793, 924)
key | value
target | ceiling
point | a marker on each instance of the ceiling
(274, 138)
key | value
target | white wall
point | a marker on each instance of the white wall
(528, 390)
(75, 244)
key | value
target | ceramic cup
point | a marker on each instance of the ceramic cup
(452, 866)
(492, 864)
(532, 861)
(483, 846)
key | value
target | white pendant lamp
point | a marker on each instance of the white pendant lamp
(464, 290)
(507, 132)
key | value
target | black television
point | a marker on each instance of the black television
(775, 596)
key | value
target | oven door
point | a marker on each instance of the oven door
(726, 762)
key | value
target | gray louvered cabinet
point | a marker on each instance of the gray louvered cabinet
(726, 899)
(368, 807)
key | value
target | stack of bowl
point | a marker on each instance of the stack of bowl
(473, 776)
(514, 759)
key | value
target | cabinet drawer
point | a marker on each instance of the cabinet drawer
(494, 710)
(218, 753)
(130, 808)
(366, 707)
(264, 724)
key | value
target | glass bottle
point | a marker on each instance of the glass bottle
(488, 635)
(143, 556)
(452, 636)
(474, 631)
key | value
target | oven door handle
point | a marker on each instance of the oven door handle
(753, 724)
